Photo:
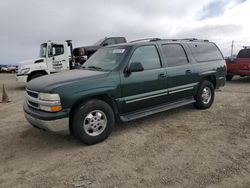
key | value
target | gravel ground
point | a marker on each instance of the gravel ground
(184, 147)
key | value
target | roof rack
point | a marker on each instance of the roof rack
(158, 39)
(146, 39)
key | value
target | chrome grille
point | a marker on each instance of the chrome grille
(32, 96)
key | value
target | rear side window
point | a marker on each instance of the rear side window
(205, 51)
(147, 56)
(245, 53)
(174, 55)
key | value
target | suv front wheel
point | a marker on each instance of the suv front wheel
(93, 121)
(205, 95)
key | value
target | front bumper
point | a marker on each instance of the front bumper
(58, 126)
(54, 122)
(21, 78)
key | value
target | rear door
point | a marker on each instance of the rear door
(146, 88)
(181, 76)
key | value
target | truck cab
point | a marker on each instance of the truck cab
(239, 66)
(57, 57)
(53, 57)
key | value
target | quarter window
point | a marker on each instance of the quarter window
(147, 56)
(174, 55)
(205, 51)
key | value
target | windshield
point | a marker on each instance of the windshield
(43, 50)
(99, 41)
(106, 59)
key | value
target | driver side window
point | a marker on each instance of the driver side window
(109, 41)
(55, 50)
(147, 56)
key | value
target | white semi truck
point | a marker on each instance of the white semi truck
(57, 57)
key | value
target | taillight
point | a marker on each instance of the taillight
(225, 65)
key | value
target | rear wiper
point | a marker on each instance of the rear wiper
(94, 67)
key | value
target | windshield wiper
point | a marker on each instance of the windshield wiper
(94, 67)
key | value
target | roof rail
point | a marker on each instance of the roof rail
(146, 39)
(190, 39)
(158, 39)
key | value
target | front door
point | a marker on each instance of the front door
(146, 88)
(57, 58)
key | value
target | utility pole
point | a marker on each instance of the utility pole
(232, 48)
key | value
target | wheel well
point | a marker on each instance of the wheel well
(210, 78)
(104, 98)
(36, 72)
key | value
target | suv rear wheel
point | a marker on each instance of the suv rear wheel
(229, 77)
(205, 95)
(35, 75)
(93, 122)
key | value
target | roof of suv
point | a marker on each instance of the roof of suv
(150, 40)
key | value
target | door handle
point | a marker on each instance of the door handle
(188, 71)
(162, 75)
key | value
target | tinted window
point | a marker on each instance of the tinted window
(109, 41)
(244, 53)
(120, 40)
(205, 51)
(57, 50)
(174, 55)
(147, 56)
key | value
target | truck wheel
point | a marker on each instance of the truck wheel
(229, 77)
(36, 75)
(205, 95)
(93, 121)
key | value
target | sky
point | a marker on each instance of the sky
(26, 24)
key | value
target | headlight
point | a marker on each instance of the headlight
(49, 102)
(49, 97)
(24, 71)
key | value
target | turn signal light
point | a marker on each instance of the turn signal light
(55, 108)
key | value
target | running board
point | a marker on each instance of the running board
(161, 108)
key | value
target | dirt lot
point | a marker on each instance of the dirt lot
(184, 147)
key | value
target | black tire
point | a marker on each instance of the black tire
(33, 76)
(79, 119)
(204, 102)
(229, 77)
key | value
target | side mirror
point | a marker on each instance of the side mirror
(105, 44)
(135, 67)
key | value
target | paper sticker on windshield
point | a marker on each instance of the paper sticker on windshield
(118, 51)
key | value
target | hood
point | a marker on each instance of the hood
(30, 61)
(50, 82)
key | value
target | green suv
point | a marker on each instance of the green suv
(125, 82)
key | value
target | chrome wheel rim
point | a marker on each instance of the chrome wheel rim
(206, 95)
(95, 123)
